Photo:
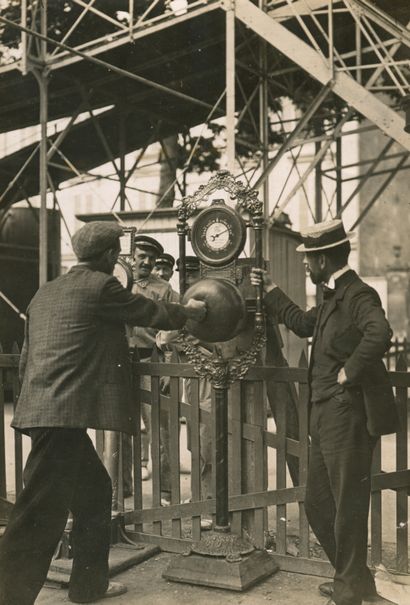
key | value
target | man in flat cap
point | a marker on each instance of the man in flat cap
(76, 374)
(351, 402)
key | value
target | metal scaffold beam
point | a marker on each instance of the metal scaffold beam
(309, 59)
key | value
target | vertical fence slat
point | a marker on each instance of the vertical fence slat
(303, 458)
(376, 510)
(259, 420)
(253, 407)
(18, 439)
(136, 444)
(155, 444)
(281, 512)
(193, 423)
(173, 430)
(235, 458)
(402, 509)
(3, 478)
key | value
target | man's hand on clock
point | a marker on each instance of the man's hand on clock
(260, 277)
(195, 309)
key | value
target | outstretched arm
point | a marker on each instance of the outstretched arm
(118, 304)
(282, 308)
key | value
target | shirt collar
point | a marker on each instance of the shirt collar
(332, 279)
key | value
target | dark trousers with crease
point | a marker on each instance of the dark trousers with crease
(63, 473)
(338, 492)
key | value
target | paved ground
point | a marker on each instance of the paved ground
(147, 587)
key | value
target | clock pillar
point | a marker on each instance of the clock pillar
(223, 558)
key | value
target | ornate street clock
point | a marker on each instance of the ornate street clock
(218, 237)
(218, 234)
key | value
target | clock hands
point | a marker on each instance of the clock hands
(213, 237)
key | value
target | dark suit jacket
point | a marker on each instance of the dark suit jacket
(355, 332)
(75, 367)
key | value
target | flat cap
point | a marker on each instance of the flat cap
(148, 243)
(165, 259)
(191, 263)
(94, 238)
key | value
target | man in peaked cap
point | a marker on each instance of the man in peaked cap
(164, 266)
(76, 374)
(351, 402)
(147, 283)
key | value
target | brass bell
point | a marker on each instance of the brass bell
(226, 310)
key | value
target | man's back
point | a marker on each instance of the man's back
(77, 367)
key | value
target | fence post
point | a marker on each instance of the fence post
(303, 457)
(170, 425)
(3, 484)
(402, 510)
(235, 452)
(253, 467)
(18, 440)
(155, 441)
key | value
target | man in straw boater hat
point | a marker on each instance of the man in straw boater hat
(351, 402)
(76, 375)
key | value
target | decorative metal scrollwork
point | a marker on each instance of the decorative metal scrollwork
(220, 371)
(247, 199)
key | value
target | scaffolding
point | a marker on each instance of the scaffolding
(230, 59)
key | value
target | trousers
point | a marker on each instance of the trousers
(205, 433)
(338, 492)
(63, 473)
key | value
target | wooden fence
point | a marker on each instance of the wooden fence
(263, 504)
(400, 348)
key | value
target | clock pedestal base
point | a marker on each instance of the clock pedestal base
(221, 561)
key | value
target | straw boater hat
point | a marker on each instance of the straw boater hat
(94, 238)
(324, 235)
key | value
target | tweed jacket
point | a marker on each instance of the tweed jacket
(75, 367)
(355, 332)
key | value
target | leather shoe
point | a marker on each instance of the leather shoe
(115, 589)
(326, 589)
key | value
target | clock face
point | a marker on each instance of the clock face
(218, 234)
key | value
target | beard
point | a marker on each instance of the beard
(316, 277)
